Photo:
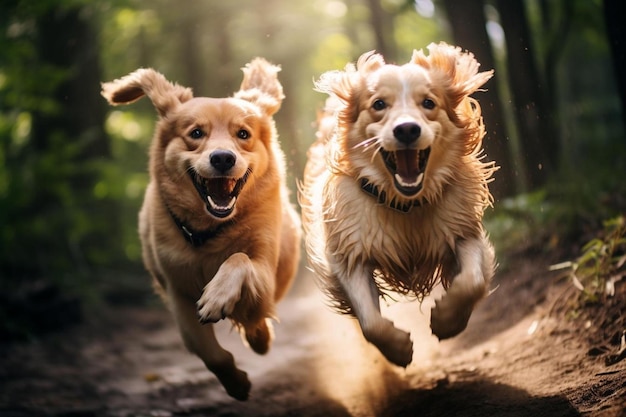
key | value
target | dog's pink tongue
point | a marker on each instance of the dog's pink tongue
(407, 164)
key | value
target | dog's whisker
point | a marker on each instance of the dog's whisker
(367, 142)
(188, 171)
(378, 148)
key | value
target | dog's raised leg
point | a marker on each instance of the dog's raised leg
(200, 339)
(220, 295)
(241, 279)
(393, 343)
(237, 278)
(451, 313)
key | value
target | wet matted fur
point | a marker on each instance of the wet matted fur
(395, 188)
(218, 233)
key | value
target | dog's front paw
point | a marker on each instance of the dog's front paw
(221, 295)
(450, 315)
(217, 302)
(399, 348)
(393, 343)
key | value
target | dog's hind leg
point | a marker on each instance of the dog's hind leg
(362, 292)
(200, 339)
(260, 336)
(289, 255)
(451, 313)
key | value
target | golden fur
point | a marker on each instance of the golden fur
(217, 171)
(374, 227)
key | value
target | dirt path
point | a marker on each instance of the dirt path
(513, 360)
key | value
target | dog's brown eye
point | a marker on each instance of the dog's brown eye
(379, 105)
(243, 134)
(428, 104)
(196, 134)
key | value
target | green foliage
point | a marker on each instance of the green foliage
(414, 30)
(67, 211)
(125, 178)
(602, 261)
(57, 222)
(570, 206)
(519, 222)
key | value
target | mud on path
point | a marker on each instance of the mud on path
(518, 357)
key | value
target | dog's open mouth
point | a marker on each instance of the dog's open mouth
(220, 193)
(407, 166)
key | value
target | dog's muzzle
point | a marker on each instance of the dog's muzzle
(407, 167)
(219, 193)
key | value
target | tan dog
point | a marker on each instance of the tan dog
(394, 191)
(219, 235)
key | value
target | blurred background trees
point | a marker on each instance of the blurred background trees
(73, 171)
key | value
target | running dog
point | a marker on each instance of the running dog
(395, 188)
(219, 235)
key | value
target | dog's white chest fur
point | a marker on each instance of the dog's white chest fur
(406, 247)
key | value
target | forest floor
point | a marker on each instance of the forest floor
(519, 356)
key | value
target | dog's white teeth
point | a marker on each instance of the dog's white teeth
(216, 206)
(403, 183)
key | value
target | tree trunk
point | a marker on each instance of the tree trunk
(382, 26)
(190, 58)
(468, 26)
(538, 137)
(66, 42)
(614, 17)
(69, 141)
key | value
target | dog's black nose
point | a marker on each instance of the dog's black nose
(223, 160)
(407, 132)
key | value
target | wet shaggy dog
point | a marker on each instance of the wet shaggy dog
(395, 189)
(219, 235)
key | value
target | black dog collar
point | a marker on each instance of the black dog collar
(196, 238)
(381, 197)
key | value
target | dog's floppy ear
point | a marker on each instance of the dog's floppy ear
(455, 69)
(337, 83)
(369, 61)
(346, 85)
(145, 81)
(260, 86)
(340, 84)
